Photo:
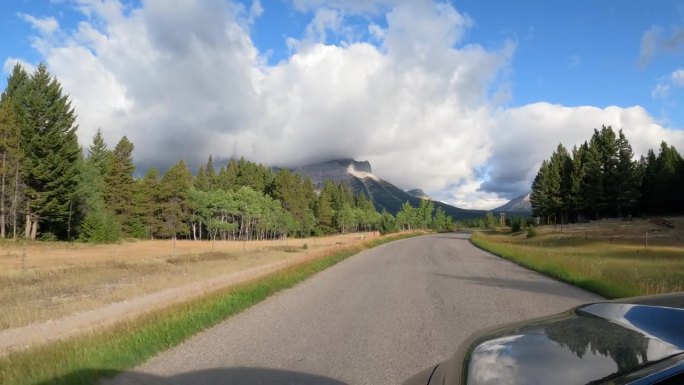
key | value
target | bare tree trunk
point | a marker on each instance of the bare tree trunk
(15, 202)
(71, 208)
(27, 224)
(174, 246)
(34, 228)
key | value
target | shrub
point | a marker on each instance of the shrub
(531, 232)
(100, 226)
(48, 237)
(517, 224)
(489, 221)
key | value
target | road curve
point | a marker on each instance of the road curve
(376, 318)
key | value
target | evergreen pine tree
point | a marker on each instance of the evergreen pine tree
(592, 182)
(324, 211)
(99, 155)
(9, 161)
(50, 156)
(99, 223)
(201, 182)
(11, 185)
(148, 205)
(173, 200)
(648, 196)
(627, 177)
(211, 173)
(606, 144)
(120, 185)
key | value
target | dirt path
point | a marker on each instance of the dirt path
(21, 337)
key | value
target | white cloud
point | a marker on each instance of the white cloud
(186, 81)
(10, 62)
(349, 6)
(668, 83)
(256, 9)
(376, 32)
(661, 90)
(45, 25)
(324, 20)
(677, 77)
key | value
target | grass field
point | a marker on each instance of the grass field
(46, 280)
(103, 353)
(613, 258)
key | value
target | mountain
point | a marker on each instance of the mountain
(418, 193)
(360, 178)
(518, 205)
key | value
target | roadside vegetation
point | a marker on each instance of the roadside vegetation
(85, 359)
(612, 258)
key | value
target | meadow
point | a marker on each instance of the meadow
(613, 258)
(42, 281)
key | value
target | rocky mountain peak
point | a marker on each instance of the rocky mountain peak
(418, 193)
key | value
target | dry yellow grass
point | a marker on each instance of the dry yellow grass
(41, 281)
(611, 258)
(636, 232)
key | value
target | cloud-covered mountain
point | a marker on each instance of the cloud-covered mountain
(360, 178)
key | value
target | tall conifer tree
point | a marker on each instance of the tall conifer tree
(120, 183)
(50, 156)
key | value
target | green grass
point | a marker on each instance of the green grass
(612, 270)
(104, 353)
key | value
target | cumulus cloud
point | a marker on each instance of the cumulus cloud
(187, 81)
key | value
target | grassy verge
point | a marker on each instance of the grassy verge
(611, 270)
(84, 359)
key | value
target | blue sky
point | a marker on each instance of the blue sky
(515, 67)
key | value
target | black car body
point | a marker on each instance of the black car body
(630, 341)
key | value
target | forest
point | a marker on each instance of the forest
(52, 189)
(601, 179)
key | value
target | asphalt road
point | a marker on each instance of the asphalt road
(376, 318)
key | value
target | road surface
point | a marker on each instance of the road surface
(376, 318)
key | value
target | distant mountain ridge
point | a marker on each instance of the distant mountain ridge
(520, 205)
(360, 178)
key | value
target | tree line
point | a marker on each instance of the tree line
(601, 179)
(51, 188)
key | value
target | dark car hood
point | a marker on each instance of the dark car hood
(591, 343)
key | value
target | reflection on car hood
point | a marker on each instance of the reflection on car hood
(590, 343)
